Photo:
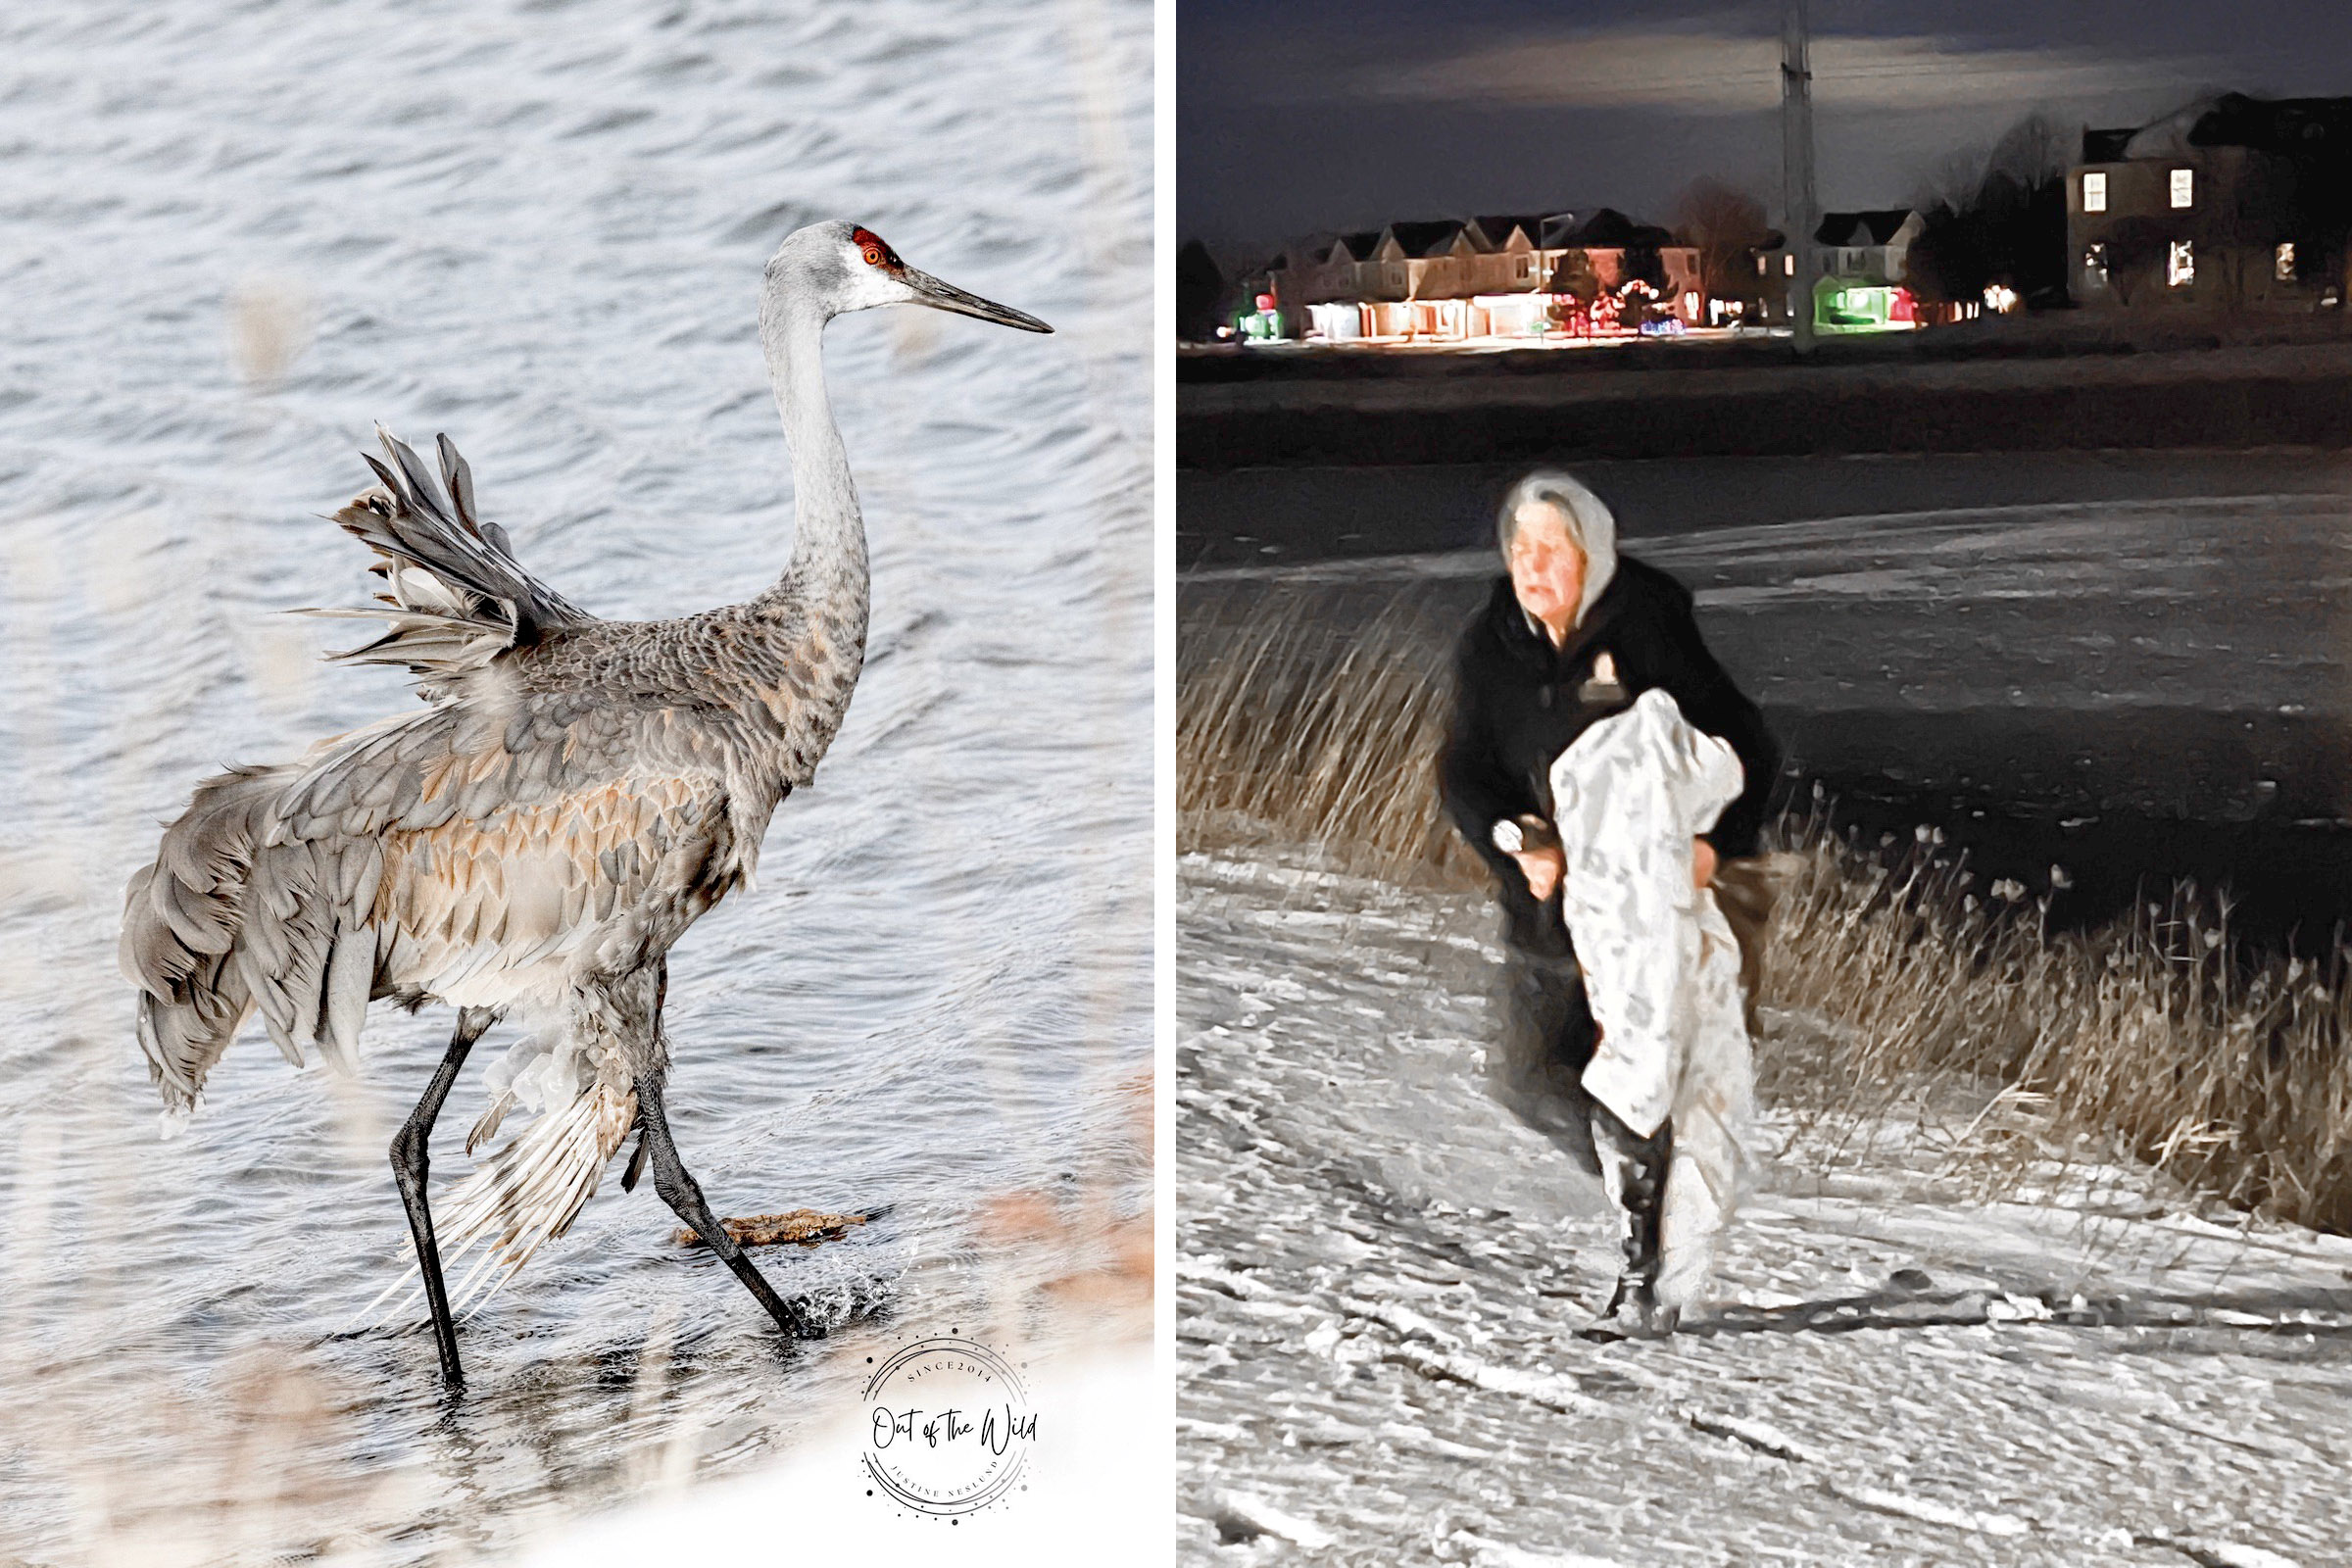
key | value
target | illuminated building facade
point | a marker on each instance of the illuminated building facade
(1501, 276)
(2232, 203)
(1861, 270)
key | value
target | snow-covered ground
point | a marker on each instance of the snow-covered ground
(1927, 1350)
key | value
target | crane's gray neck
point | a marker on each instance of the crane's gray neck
(828, 565)
(815, 614)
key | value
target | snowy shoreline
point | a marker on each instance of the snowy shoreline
(1923, 1351)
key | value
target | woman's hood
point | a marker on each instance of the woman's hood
(1590, 523)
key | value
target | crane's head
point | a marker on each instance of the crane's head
(839, 267)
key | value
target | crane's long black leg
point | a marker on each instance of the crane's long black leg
(409, 1165)
(681, 1192)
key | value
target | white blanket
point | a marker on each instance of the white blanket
(1661, 967)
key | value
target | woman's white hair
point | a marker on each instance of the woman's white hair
(1592, 526)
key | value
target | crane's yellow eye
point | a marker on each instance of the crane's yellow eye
(873, 257)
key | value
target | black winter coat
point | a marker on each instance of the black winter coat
(1518, 701)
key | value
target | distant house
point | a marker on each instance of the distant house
(1608, 238)
(1368, 284)
(2231, 202)
(1432, 254)
(1331, 269)
(1614, 251)
(1512, 250)
(1861, 270)
(1362, 286)
(1336, 268)
(1864, 262)
(1494, 275)
(1766, 297)
(1352, 271)
(1868, 248)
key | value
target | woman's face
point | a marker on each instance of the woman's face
(1547, 569)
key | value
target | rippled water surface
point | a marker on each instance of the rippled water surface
(233, 236)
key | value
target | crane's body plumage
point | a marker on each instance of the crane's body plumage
(573, 796)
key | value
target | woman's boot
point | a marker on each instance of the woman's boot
(1634, 1169)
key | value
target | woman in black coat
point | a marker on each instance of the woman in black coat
(1572, 633)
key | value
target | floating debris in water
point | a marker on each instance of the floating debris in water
(804, 1226)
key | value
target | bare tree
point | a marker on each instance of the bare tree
(1951, 184)
(1727, 225)
(2034, 152)
(1998, 215)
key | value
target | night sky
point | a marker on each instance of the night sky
(1302, 116)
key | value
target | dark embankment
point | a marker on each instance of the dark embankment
(1702, 398)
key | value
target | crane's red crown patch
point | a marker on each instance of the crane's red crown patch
(877, 250)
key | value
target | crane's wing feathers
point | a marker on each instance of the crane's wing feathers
(454, 596)
(456, 762)
(474, 858)
(421, 855)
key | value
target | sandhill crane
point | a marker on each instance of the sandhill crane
(575, 794)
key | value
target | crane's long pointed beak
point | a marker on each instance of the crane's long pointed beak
(930, 290)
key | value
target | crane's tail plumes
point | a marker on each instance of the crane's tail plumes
(523, 1197)
(454, 597)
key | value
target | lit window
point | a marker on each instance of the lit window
(1763, 266)
(2094, 265)
(2094, 193)
(2180, 265)
(2184, 187)
(1790, 268)
(2284, 262)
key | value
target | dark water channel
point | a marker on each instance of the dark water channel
(2096, 673)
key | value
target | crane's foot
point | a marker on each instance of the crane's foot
(684, 1195)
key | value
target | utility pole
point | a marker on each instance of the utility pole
(1797, 163)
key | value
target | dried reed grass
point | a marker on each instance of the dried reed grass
(2154, 1035)
(1296, 716)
